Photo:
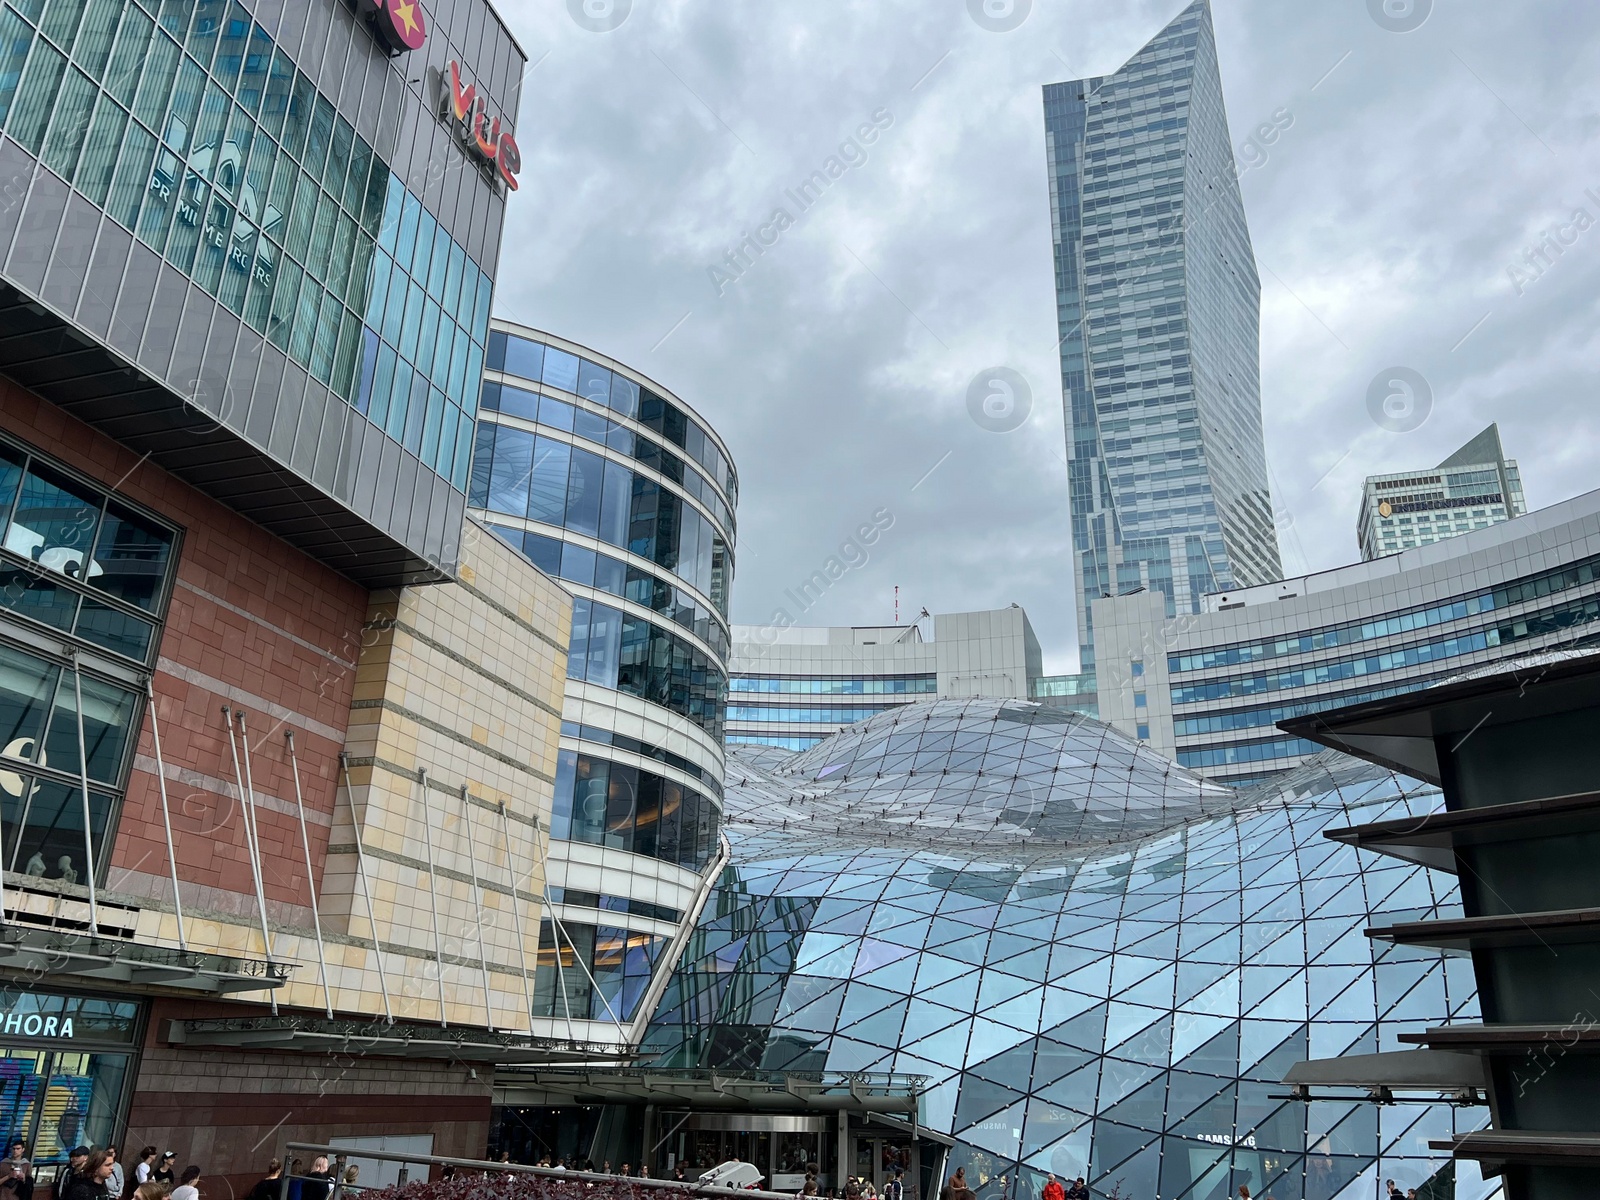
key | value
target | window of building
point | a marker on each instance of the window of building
(592, 972)
(614, 804)
(189, 127)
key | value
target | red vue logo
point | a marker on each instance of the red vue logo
(479, 131)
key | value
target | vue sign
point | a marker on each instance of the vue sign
(479, 132)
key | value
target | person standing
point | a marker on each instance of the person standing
(89, 1183)
(115, 1183)
(188, 1185)
(895, 1189)
(1053, 1189)
(163, 1172)
(145, 1166)
(16, 1181)
(319, 1184)
(267, 1188)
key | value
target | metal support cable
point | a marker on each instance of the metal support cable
(433, 897)
(166, 811)
(361, 874)
(561, 930)
(254, 842)
(477, 892)
(561, 933)
(516, 914)
(311, 883)
(83, 782)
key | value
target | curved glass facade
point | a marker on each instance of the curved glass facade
(612, 804)
(553, 481)
(1102, 963)
(626, 497)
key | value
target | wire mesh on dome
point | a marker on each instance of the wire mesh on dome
(1014, 780)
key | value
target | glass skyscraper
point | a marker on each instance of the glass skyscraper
(1159, 308)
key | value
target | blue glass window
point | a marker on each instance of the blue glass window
(560, 369)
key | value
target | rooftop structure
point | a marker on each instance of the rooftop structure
(1475, 487)
(1098, 962)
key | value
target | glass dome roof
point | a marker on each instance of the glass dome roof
(1033, 782)
(1100, 963)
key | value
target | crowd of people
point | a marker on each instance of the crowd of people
(92, 1174)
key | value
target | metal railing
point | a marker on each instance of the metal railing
(336, 1155)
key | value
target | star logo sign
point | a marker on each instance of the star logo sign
(400, 23)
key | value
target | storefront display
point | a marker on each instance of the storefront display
(66, 1063)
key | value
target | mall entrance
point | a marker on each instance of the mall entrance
(875, 1158)
(783, 1147)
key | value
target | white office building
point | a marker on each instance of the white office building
(1209, 689)
(792, 687)
(1475, 487)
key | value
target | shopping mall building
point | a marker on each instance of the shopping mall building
(281, 725)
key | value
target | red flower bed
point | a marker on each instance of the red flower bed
(523, 1186)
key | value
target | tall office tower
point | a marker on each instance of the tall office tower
(1475, 487)
(1159, 306)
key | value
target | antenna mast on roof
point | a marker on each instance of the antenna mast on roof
(897, 604)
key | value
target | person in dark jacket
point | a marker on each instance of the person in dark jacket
(90, 1182)
(267, 1188)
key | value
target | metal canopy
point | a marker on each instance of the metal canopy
(1399, 732)
(1434, 840)
(45, 954)
(1524, 929)
(703, 1089)
(317, 1035)
(1397, 1070)
(1501, 1146)
(1511, 1040)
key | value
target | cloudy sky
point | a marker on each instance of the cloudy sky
(1420, 168)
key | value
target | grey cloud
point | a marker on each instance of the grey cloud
(837, 366)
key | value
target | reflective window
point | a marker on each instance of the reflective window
(194, 131)
(41, 792)
(617, 805)
(590, 973)
(88, 565)
(542, 478)
(896, 685)
(617, 650)
(536, 363)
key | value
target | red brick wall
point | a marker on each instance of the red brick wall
(253, 623)
(230, 1111)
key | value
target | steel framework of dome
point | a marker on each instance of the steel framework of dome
(1103, 963)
